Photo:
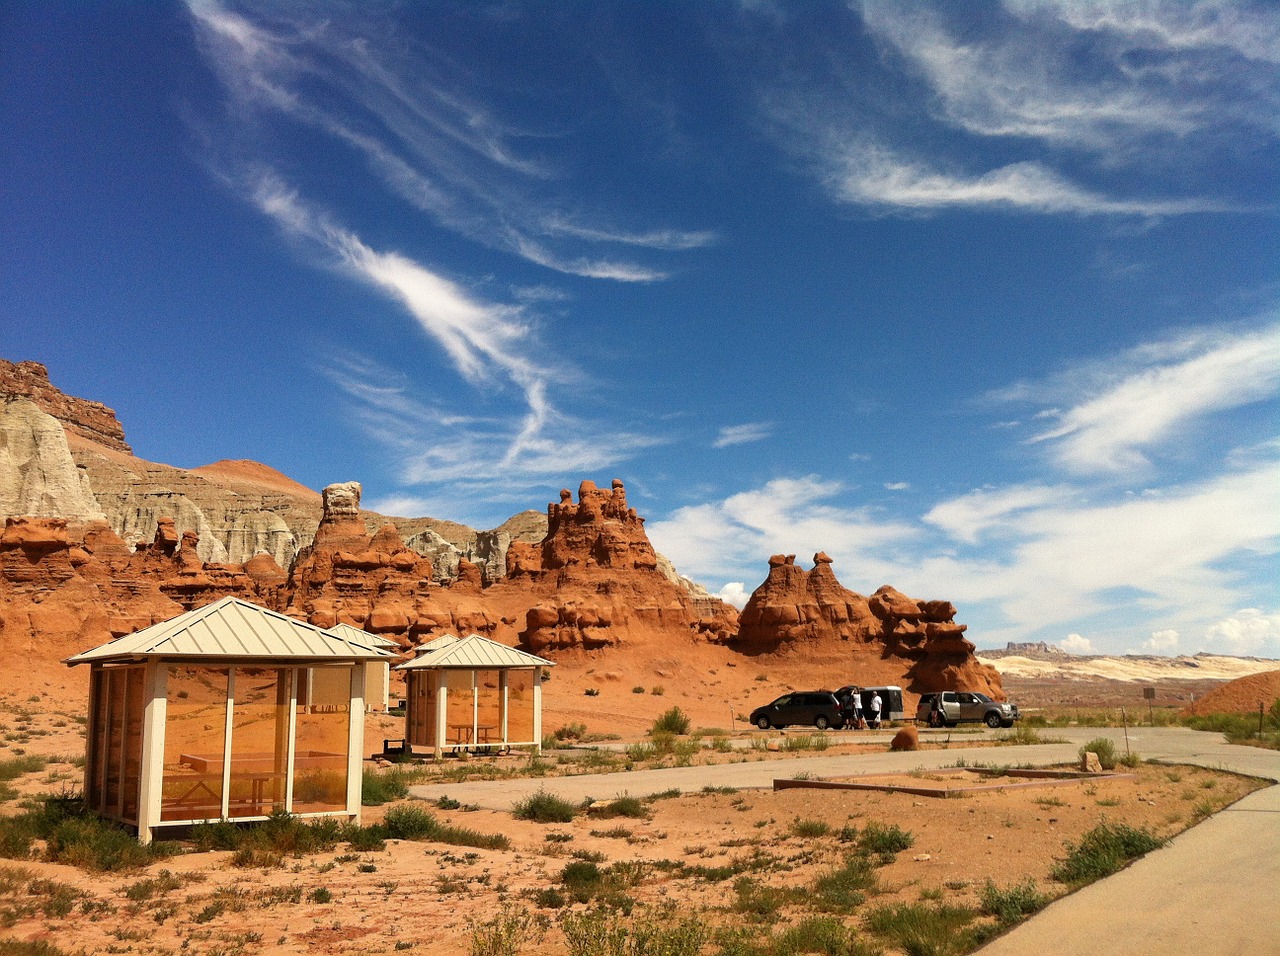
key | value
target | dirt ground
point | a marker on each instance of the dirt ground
(691, 850)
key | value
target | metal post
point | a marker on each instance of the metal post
(1125, 717)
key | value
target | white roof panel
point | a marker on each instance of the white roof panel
(357, 636)
(230, 628)
(471, 653)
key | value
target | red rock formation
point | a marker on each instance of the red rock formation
(810, 614)
(594, 582)
(92, 420)
(60, 595)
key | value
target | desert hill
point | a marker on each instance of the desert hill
(1241, 696)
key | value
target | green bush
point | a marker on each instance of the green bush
(924, 930)
(622, 806)
(1102, 851)
(544, 807)
(505, 934)
(1013, 903)
(884, 840)
(817, 934)
(843, 890)
(377, 788)
(1104, 748)
(673, 721)
(409, 823)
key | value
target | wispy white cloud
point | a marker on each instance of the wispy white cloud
(1158, 72)
(971, 516)
(873, 176)
(1151, 394)
(408, 112)
(743, 434)
(896, 485)
(1051, 108)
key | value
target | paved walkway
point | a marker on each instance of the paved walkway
(1212, 891)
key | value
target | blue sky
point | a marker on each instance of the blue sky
(981, 299)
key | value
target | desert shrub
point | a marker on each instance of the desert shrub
(582, 880)
(409, 823)
(1102, 851)
(884, 840)
(757, 900)
(817, 934)
(158, 885)
(809, 829)
(366, 839)
(38, 947)
(673, 721)
(248, 857)
(570, 732)
(95, 844)
(217, 835)
(379, 787)
(15, 767)
(924, 930)
(844, 890)
(321, 894)
(1130, 760)
(622, 806)
(505, 934)
(1024, 735)
(637, 689)
(1104, 748)
(544, 807)
(1013, 903)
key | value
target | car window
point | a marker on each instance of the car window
(782, 701)
(967, 699)
(949, 697)
(982, 698)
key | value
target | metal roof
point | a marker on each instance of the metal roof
(357, 636)
(472, 652)
(230, 629)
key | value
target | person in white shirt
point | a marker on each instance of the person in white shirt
(875, 711)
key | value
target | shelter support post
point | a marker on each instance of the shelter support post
(355, 745)
(537, 708)
(151, 779)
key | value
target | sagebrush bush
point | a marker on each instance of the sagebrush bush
(1102, 851)
(544, 807)
(1013, 903)
(1104, 748)
(673, 721)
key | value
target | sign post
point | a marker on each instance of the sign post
(1150, 694)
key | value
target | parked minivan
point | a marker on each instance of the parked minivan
(818, 708)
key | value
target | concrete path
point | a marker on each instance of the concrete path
(1212, 891)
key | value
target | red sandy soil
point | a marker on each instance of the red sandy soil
(423, 897)
(1242, 695)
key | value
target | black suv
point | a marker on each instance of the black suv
(817, 707)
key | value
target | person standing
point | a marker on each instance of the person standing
(875, 710)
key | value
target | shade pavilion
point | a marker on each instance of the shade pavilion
(377, 674)
(201, 718)
(472, 693)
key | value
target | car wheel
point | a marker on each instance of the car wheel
(762, 723)
(993, 720)
(952, 723)
(821, 722)
(935, 720)
(1006, 723)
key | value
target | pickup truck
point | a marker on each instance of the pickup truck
(952, 707)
